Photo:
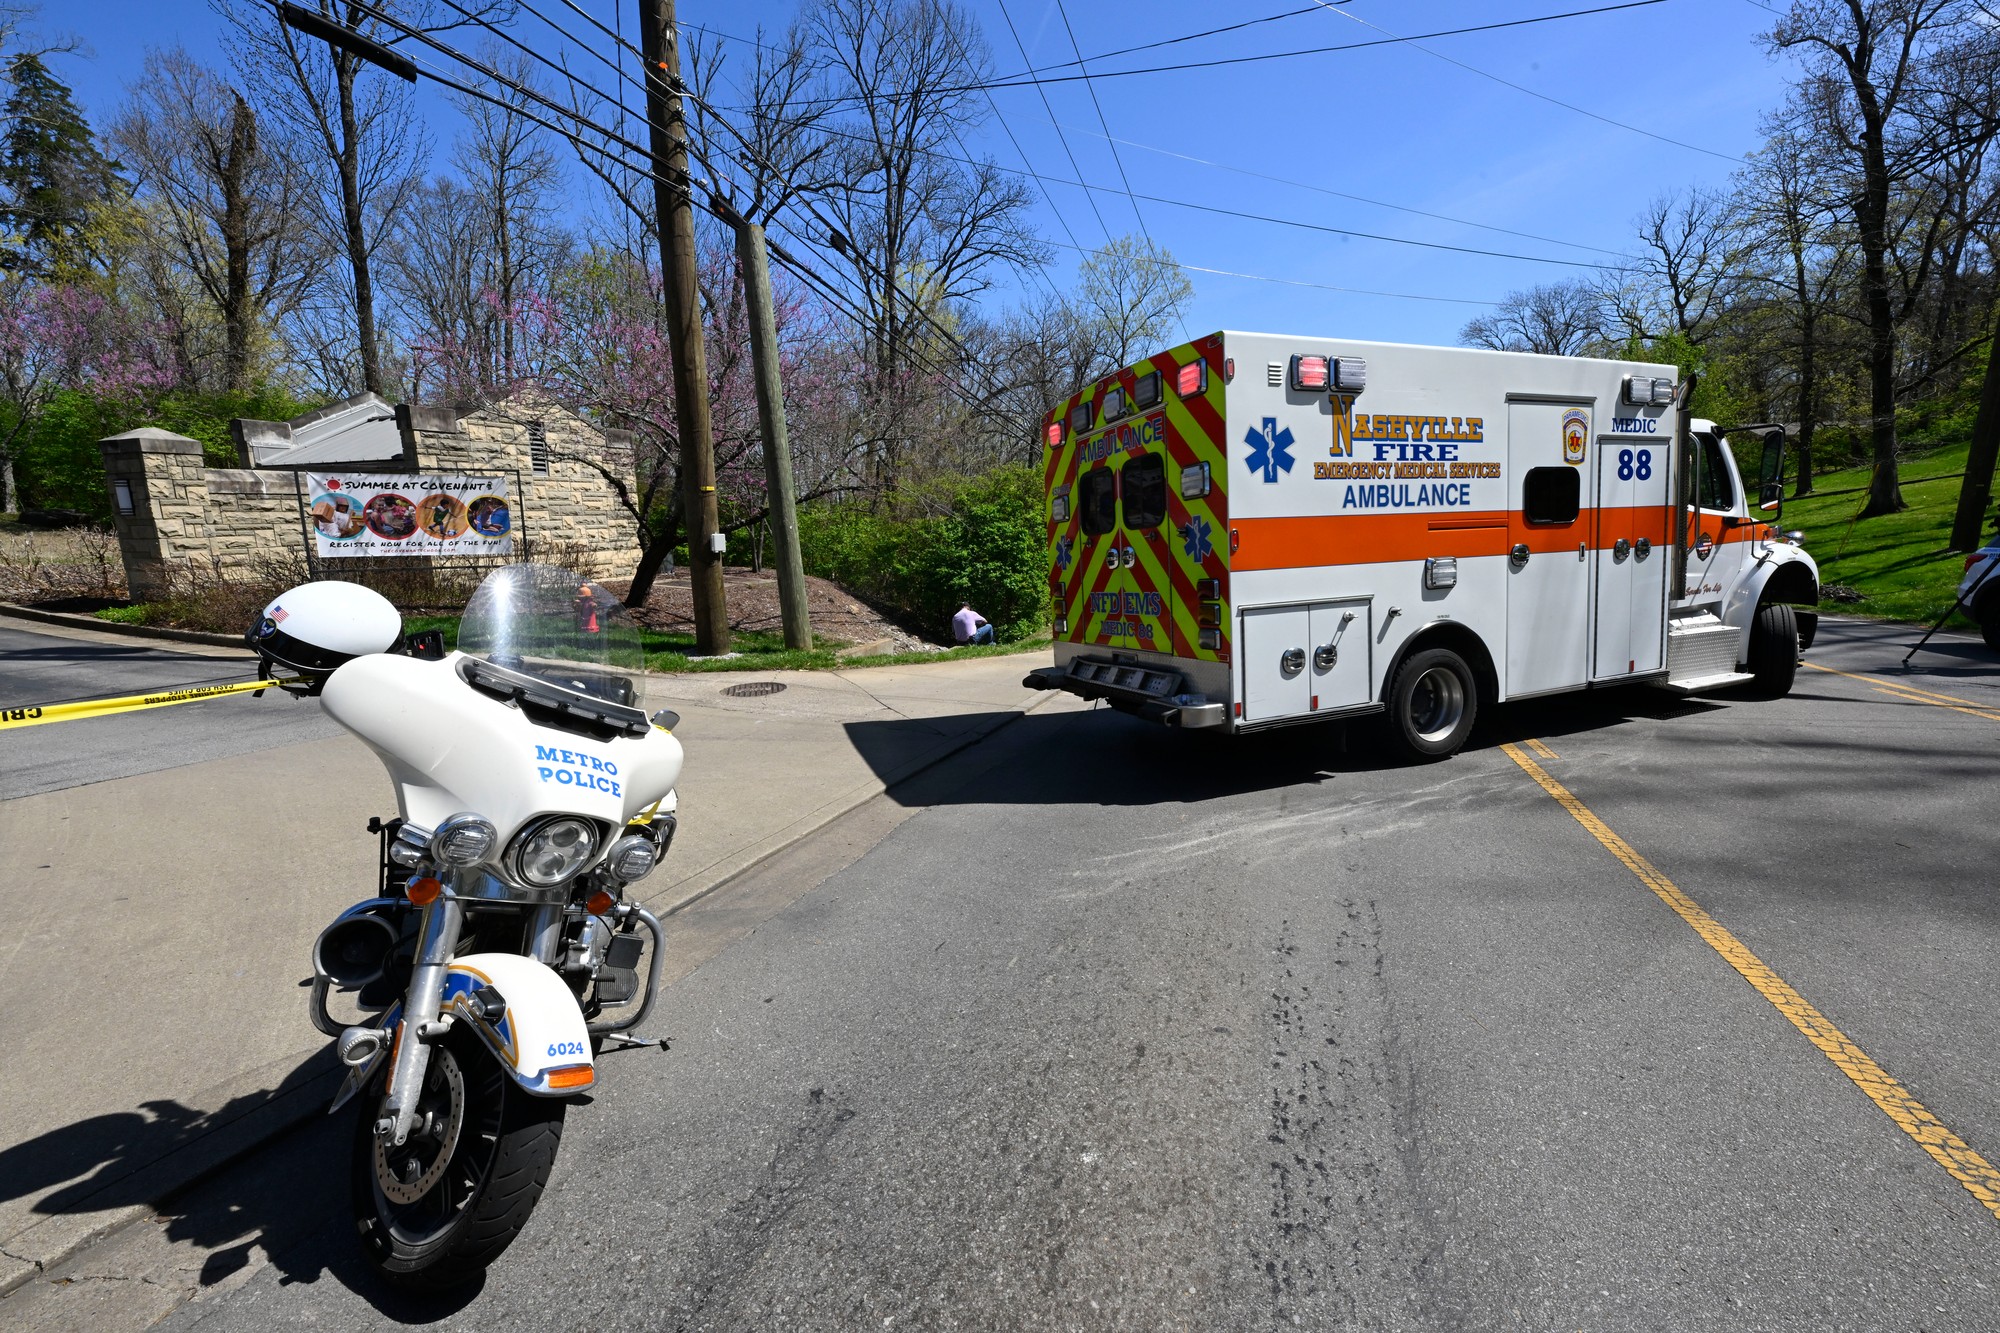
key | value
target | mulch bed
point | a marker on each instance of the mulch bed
(753, 605)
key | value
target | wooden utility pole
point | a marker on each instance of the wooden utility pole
(771, 417)
(699, 516)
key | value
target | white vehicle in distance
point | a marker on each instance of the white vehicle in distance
(1979, 592)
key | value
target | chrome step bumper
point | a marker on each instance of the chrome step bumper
(1154, 693)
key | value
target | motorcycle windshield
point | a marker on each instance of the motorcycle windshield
(563, 639)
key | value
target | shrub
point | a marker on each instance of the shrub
(956, 539)
(57, 462)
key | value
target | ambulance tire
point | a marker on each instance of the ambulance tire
(1774, 650)
(1433, 702)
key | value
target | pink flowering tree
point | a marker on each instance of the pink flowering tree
(57, 337)
(597, 343)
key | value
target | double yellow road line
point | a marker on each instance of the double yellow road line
(1951, 1152)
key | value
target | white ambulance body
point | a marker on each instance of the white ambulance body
(1252, 530)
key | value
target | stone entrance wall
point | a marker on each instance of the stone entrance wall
(187, 519)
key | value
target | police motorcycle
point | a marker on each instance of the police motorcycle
(469, 998)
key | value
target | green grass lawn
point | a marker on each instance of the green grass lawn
(1898, 562)
(753, 650)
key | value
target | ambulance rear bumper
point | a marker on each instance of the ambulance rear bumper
(1149, 692)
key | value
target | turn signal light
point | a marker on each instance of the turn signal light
(423, 892)
(572, 1076)
(1211, 615)
(599, 903)
(1972, 560)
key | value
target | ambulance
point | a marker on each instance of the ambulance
(1253, 530)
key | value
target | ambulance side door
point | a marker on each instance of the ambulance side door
(1548, 569)
(1630, 556)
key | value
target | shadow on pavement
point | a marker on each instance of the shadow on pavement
(290, 1199)
(1104, 757)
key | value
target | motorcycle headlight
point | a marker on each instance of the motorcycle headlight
(464, 840)
(546, 854)
(632, 857)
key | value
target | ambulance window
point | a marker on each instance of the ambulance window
(1716, 492)
(1552, 494)
(1145, 492)
(1096, 501)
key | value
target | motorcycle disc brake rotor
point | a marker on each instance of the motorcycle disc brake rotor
(443, 1104)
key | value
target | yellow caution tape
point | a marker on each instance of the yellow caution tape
(131, 703)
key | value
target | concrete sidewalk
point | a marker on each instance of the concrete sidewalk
(156, 928)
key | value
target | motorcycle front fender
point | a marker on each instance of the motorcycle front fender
(536, 1031)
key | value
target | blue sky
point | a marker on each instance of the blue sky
(1392, 124)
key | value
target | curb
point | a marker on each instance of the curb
(58, 1237)
(74, 621)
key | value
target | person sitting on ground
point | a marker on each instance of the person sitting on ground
(968, 626)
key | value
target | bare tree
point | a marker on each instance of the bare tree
(917, 225)
(1560, 319)
(469, 251)
(1807, 260)
(360, 124)
(231, 206)
(1866, 64)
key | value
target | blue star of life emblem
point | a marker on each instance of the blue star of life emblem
(1270, 449)
(1195, 534)
(1064, 550)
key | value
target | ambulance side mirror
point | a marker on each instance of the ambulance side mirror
(1771, 474)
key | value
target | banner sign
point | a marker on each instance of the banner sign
(407, 514)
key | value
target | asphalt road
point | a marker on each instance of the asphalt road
(1105, 1026)
(48, 668)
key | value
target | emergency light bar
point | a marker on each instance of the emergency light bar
(1147, 391)
(1191, 379)
(1644, 391)
(1309, 373)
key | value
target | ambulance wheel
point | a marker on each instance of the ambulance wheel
(1774, 650)
(1433, 703)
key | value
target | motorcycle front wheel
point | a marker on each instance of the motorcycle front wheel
(436, 1211)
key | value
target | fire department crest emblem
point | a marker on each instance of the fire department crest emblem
(1576, 435)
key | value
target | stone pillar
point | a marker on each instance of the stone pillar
(164, 487)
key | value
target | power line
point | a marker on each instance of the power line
(1090, 188)
(1117, 159)
(1088, 197)
(1301, 282)
(1184, 37)
(1028, 82)
(1553, 101)
(1361, 199)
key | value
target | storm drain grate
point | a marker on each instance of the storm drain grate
(755, 689)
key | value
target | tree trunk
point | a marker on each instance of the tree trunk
(1975, 492)
(1885, 493)
(1807, 402)
(237, 315)
(355, 227)
(655, 554)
